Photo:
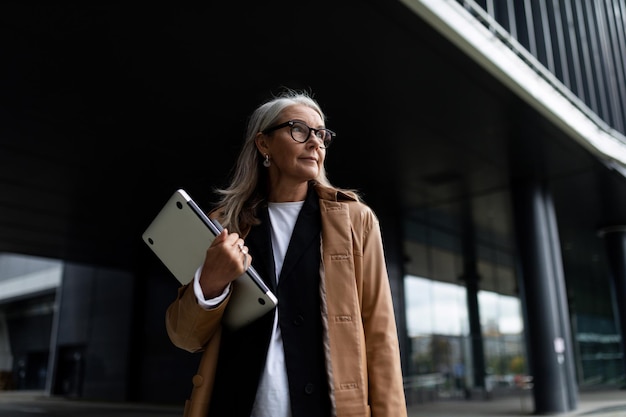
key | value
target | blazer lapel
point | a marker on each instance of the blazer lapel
(259, 244)
(305, 233)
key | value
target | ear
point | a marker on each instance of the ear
(262, 143)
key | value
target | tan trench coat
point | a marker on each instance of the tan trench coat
(361, 343)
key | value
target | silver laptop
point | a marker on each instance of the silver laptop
(180, 235)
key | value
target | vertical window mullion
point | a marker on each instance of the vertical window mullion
(560, 43)
(614, 63)
(546, 38)
(605, 63)
(530, 28)
(576, 63)
(594, 46)
(510, 9)
(620, 22)
(585, 49)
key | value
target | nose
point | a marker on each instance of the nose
(316, 141)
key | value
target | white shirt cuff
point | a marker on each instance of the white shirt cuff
(204, 303)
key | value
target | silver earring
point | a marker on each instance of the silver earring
(267, 162)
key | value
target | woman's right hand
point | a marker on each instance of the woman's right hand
(226, 259)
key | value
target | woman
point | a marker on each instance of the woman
(330, 348)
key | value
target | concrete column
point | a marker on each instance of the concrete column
(615, 240)
(471, 278)
(6, 358)
(476, 335)
(550, 349)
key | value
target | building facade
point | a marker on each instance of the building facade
(493, 135)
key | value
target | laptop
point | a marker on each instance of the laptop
(180, 234)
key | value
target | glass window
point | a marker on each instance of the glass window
(503, 339)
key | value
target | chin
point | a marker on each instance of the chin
(310, 174)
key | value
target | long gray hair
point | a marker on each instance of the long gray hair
(238, 202)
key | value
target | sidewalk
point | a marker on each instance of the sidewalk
(36, 403)
(608, 403)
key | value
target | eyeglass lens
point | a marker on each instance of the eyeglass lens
(300, 132)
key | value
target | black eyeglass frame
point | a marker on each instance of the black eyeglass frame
(291, 123)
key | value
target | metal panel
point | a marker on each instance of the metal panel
(581, 19)
(596, 53)
(610, 47)
(544, 35)
(560, 49)
(571, 36)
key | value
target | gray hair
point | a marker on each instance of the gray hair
(240, 200)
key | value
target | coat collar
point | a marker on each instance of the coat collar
(332, 194)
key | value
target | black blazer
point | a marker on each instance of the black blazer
(243, 352)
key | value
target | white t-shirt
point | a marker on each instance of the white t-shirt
(272, 399)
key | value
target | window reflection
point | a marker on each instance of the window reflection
(438, 328)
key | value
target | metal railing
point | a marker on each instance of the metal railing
(491, 24)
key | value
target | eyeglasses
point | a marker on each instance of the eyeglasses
(300, 132)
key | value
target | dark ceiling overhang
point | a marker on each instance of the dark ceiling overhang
(106, 109)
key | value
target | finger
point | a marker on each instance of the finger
(246, 263)
(221, 237)
(242, 248)
(232, 239)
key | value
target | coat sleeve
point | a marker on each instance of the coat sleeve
(192, 328)
(386, 390)
(189, 326)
